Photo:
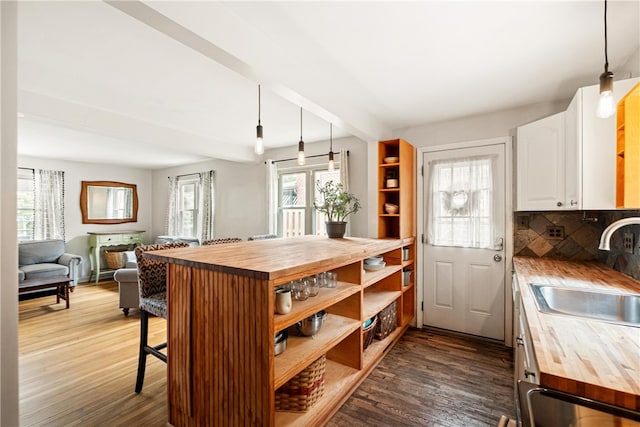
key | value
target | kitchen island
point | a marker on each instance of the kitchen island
(590, 358)
(221, 325)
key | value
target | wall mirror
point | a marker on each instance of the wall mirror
(108, 202)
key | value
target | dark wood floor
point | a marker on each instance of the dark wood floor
(77, 367)
(434, 378)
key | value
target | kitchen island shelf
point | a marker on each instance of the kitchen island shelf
(300, 349)
(230, 289)
(303, 309)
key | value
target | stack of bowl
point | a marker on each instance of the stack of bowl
(374, 263)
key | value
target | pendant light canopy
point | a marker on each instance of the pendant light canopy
(259, 148)
(301, 159)
(606, 103)
(332, 166)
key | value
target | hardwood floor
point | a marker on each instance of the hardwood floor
(78, 368)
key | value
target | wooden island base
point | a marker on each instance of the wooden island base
(221, 324)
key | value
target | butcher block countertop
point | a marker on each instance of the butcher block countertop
(589, 358)
(277, 259)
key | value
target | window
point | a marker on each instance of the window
(26, 204)
(191, 206)
(461, 203)
(296, 193)
(188, 207)
(40, 204)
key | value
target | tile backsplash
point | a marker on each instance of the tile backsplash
(575, 236)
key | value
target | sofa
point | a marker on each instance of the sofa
(44, 258)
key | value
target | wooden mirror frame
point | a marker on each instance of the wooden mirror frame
(84, 207)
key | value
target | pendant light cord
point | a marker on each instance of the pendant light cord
(606, 55)
(258, 105)
(300, 123)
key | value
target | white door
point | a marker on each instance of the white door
(464, 194)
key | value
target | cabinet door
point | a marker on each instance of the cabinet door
(540, 164)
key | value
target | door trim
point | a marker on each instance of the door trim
(508, 223)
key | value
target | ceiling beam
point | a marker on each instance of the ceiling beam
(367, 130)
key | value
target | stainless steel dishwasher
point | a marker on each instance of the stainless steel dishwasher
(542, 407)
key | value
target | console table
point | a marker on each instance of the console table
(97, 241)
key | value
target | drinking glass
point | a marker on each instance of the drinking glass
(332, 279)
(322, 279)
(313, 285)
(301, 290)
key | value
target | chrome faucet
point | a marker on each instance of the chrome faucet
(605, 239)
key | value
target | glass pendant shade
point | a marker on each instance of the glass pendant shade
(259, 149)
(332, 165)
(301, 159)
(606, 103)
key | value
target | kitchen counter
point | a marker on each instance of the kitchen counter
(590, 358)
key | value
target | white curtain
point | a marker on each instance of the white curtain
(171, 222)
(206, 205)
(272, 195)
(461, 203)
(49, 204)
(344, 180)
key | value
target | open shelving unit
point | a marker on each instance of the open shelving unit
(400, 225)
(628, 150)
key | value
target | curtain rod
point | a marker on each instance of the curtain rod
(308, 157)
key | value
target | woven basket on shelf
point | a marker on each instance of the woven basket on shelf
(114, 259)
(368, 333)
(303, 390)
(387, 321)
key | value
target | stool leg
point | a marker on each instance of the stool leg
(142, 357)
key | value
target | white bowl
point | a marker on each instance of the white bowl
(391, 159)
(373, 260)
(374, 267)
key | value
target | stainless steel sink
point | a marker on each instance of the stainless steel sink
(623, 309)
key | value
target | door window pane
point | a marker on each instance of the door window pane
(461, 200)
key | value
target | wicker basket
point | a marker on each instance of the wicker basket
(303, 390)
(387, 321)
(114, 259)
(368, 333)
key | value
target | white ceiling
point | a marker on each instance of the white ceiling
(163, 83)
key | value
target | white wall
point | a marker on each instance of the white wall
(8, 246)
(74, 173)
(240, 201)
(358, 155)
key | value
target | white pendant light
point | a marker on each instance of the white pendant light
(332, 166)
(301, 159)
(259, 148)
(606, 103)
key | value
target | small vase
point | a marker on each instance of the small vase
(336, 229)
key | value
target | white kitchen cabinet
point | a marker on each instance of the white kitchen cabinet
(540, 151)
(591, 149)
(567, 161)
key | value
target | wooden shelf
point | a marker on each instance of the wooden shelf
(338, 378)
(303, 309)
(375, 300)
(302, 351)
(371, 277)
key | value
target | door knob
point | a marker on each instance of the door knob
(497, 258)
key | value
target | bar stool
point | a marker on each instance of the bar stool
(221, 241)
(152, 286)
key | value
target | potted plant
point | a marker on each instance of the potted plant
(336, 204)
